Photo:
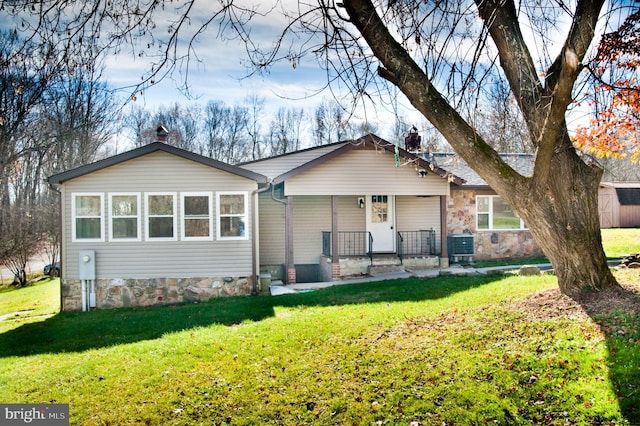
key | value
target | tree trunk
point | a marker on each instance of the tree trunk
(559, 203)
(562, 214)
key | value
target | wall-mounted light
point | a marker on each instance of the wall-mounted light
(422, 172)
(361, 202)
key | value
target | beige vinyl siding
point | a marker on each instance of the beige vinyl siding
(272, 230)
(417, 213)
(159, 172)
(365, 171)
(311, 216)
(350, 216)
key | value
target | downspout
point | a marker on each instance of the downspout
(53, 187)
(254, 236)
(288, 243)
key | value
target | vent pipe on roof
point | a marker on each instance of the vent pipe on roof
(161, 134)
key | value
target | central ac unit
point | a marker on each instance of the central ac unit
(460, 245)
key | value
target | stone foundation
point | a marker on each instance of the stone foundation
(118, 292)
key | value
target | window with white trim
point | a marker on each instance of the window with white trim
(124, 216)
(87, 212)
(493, 213)
(197, 216)
(232, 215)
(161, 217)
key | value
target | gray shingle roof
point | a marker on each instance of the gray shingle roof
(522, 163)
(628, 196)
(147, 149)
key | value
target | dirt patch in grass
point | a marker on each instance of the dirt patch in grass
(551, 304)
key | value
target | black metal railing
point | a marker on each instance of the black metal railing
(350, 243)
(416, 243)
(360, 243)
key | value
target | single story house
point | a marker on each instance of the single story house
(619, 204)
(160, 225)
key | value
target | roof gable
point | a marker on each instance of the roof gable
(148, 149)
(368, 140)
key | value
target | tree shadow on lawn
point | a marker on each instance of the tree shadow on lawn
(617, 313)
(80, 331)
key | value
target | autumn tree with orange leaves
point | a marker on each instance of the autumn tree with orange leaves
(615, 130)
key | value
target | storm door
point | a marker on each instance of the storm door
(381, 222)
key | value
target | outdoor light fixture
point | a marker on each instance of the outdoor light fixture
(361, 202)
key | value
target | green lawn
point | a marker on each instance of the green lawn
(32, 303)
(619, 242)
(449, 350)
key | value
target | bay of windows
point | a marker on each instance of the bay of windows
(124, 216)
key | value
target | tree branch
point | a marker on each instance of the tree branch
(501, 18)
(400, 69)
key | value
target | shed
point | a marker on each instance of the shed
(619, 204)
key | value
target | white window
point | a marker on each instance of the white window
(161, 216)
(493, 213)
(197, 216)
(87, 212)
(124, 217)
(232, 215)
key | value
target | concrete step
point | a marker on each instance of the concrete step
(378, 269)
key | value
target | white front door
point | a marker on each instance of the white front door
(381, 222)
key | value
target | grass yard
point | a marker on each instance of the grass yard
(618, 242)
(449, 350)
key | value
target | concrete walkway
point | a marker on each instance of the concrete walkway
(426, 273)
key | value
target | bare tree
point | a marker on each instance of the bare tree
(183, 124)
(78, 118)
(330, 123)
(255, 109)
(500, 122)
(285, 130)
(139, 124)
(440, 56)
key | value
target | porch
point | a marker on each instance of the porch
(353, 253)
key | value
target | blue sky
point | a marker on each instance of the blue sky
(220, 75)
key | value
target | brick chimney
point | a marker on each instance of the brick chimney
(161, 134)
(412, 142)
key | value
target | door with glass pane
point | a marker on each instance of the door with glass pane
(381, 222)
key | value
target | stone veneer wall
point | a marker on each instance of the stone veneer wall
(461, 219)
(118, 292)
